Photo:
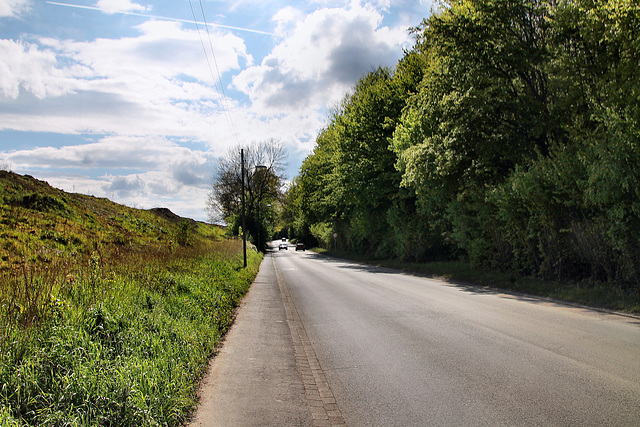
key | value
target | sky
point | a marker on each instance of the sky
(138, 101)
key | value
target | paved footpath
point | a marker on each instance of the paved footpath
(266, 373)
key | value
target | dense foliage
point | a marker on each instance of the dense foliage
(508, 136)
(108, 315)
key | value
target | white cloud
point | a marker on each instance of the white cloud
(149, 91)
(157, 59)
(321, 58)
(115, 6)
(112, 152)
(144, 190)
(161, 171)
(14, 8)
(286, 18)
(158, 83)
(27, 67)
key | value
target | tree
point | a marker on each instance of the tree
(263, 187)
(365, 172)
(514, 128)
(346, 184)
(483, 108)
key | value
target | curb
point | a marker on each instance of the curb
(322, 403)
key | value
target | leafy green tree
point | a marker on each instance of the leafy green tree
(350, 177)
(365, 172)
(596, 63)
(509, 135)
(483, 106)
(263, 187)
(574, 213)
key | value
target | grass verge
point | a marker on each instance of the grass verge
(123, 340)
(592, 294)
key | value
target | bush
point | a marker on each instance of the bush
(186, 232)
(323, 233)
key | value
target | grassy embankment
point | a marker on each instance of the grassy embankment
(108, 315)
(592, 294)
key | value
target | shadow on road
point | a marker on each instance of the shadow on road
(467, 287)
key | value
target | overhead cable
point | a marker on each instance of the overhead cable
(221, 94)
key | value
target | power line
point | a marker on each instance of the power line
(164, 18)
(221, 94)
(215, 62)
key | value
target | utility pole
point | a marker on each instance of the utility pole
(244, 222)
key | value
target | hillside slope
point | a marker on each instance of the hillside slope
(38, 222)
(108, 314)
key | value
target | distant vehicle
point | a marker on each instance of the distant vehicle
(284, 239)
(300, 246)
(283, 246)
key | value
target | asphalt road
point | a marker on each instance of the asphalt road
(399, 350)
(320, 341)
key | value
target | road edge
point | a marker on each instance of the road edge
(322, 403)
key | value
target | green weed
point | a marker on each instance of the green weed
(116, 344)
(104, 319)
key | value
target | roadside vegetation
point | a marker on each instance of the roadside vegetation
(466, 275)
(108, 315)
(507, 138)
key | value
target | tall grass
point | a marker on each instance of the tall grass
(117, 337)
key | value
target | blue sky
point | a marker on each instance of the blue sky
(132, 100)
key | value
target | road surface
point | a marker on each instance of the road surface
(379, 347)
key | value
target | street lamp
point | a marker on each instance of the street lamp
(244, 221)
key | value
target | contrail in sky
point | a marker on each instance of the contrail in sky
(165, 18)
